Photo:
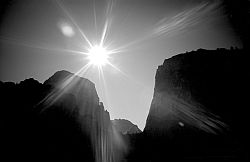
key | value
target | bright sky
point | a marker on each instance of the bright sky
(38, 38)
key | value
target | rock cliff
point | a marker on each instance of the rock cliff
(199, 108)
(125, 127)
(61, 119)
(199, 89)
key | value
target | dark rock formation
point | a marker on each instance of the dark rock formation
(60, 120)
(200, 89)
(125, 127)
(198, 111)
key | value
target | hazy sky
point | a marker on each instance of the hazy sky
(36, 34)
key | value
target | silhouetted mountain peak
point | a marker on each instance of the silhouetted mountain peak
(83, 89)
(125, 126)
(65, 76)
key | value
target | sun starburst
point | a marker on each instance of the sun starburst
(98, 55)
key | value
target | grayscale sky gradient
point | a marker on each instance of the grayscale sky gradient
(34, 42)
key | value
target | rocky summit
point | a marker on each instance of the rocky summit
(125, 127)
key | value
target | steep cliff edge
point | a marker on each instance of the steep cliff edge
(63, 84)
(61, 119)
(201, 89)
(199, 107)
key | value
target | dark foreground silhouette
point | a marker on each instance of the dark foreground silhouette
(34, 131)
(199, 109)
(198, 113)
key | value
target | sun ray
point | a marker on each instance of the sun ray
(109, 8)
(104, 85)
(176, 24)
(95, 21)
(104, 33)
(99, 74)
(78, 73)
(173, 25)
(116, 68)
(97, 54)
(56, 94)
(114, 51)
(31, 45)
(108, 21)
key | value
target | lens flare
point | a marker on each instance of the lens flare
(66, 29)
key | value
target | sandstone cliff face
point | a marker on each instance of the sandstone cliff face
(199, 90)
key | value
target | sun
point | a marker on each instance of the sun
(98, 55)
